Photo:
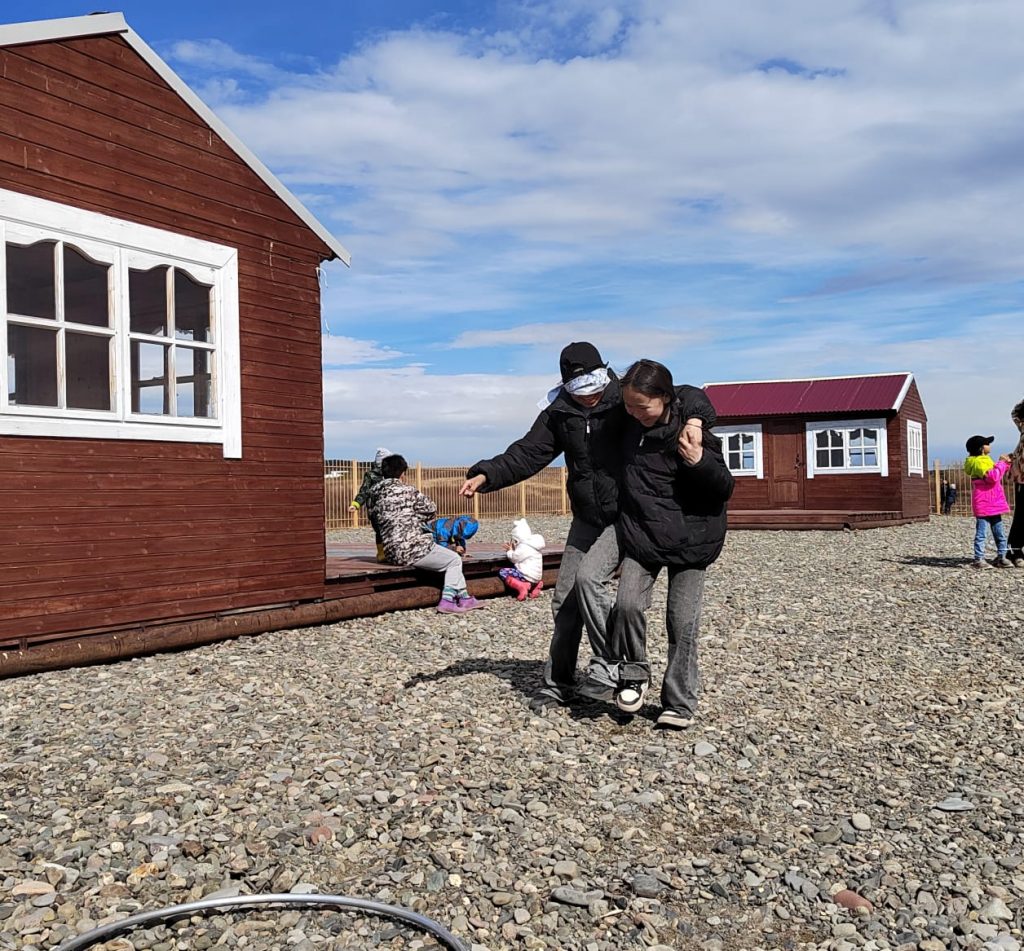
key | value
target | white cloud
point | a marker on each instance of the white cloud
(622, 339)
(348, 351)
(452, 136)
(437, 419)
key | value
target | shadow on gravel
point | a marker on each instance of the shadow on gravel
(526, 676)
(936, 561)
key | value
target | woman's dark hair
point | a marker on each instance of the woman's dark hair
(651, 379)
(393, 467)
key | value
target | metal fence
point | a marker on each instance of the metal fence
(944, 473)
(544, 494)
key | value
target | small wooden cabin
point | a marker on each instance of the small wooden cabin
(161, 421)
(824, 453)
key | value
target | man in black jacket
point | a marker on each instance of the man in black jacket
(585, 421)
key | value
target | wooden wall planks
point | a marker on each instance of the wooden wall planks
(97, 534)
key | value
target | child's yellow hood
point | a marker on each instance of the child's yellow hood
(977, 466)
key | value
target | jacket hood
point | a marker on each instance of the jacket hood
(977, 466)
(522, 532)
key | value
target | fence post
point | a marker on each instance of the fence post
(419, 476)
(355, 491)
(563, 478)
(938, 489)
(476, 506)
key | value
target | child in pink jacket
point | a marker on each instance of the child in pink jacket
(988, 501)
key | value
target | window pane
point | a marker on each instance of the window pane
(748, 442)
(821, 459)
(870, 457)
(149, 378)
(748, 460)
(856, 457)
(147, 301)
(87, 358)
(193, 382)
(191, 308)
(31, 284)
(85, 290)
(870, 437)
(34, 354)
(734, 442)
(821, 440)
(837, 458)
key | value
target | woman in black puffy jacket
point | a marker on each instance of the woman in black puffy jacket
(672, 515)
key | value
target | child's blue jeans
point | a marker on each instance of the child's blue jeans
(995, 522)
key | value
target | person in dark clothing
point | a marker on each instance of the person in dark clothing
(585, 420)
(948, 498)
(673, 514)
(1015, 540)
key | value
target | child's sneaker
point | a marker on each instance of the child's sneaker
(536, 589)
(630, 697)
(468, 603)
(980, 564)
(448, 606)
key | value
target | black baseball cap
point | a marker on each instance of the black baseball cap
(975, 443)
(578, 359)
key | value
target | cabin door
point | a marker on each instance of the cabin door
(786, 445)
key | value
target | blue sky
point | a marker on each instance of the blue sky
(742, 190)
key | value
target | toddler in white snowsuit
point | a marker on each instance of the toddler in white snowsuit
(526, 575)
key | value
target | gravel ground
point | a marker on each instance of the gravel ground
(854, 779)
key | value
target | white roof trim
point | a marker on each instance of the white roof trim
(904, 391)
(41, 31)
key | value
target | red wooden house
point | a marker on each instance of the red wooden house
(161, 436)
(824, 453)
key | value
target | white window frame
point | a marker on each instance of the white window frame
(750, 429)
(845, 426)
(915, 448)
(123, 243)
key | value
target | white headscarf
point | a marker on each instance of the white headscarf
(586, 384)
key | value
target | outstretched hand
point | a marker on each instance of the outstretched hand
(471, 486)
(691, 441)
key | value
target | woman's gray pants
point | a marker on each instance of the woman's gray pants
(681, 684)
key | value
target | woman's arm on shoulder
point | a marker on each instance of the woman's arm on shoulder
(694, 403)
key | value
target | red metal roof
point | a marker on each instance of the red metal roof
(847, 394)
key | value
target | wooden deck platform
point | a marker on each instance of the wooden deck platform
(814, 519)
(352, 570)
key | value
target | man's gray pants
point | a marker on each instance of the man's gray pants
(681, 684)
(583, 596)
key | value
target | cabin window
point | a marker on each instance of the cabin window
(847, 447)
(742, 447)
(915, 448)
(112, 330)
